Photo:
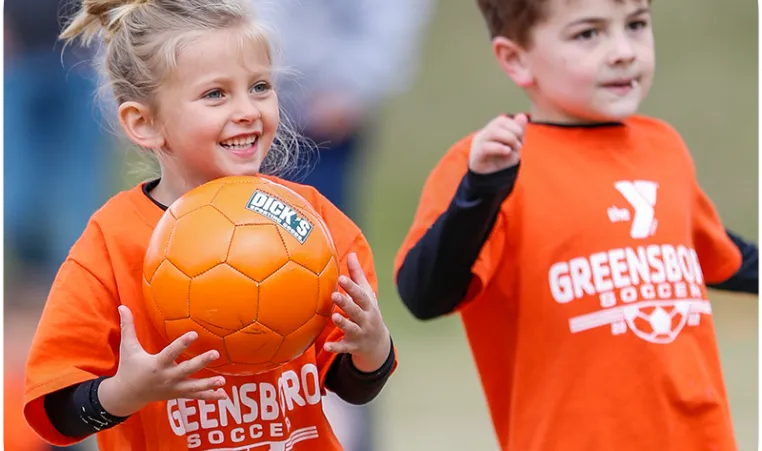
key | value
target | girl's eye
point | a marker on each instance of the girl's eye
(215, 94)
(261, 87)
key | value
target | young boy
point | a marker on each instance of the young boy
(580, 273)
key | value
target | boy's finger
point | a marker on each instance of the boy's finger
(350, 328)
(521, 119)
(129, 337)
(496, 149)
(345, 303)
(511, 125)
(168, 355)
(506, 137)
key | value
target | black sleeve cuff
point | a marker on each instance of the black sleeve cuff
(436, 273)
(76, 411)
(746, 279)
(500, 183)
(382, 373)
(355, 386)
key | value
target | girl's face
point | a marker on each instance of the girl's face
(217, 111)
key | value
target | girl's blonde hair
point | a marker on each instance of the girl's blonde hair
(142, 38)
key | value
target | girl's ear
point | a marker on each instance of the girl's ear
(140, 125)
(512, 59)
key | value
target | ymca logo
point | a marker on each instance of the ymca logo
(641, 195)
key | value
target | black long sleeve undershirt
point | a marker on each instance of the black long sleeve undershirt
(746, 279)
(436, 273)
(75, 411)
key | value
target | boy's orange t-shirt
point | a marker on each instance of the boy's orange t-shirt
(78, 339)
(588, 315)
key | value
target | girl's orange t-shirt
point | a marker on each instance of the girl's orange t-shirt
(78, 339)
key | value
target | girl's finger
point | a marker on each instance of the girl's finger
(349, 328)
(356, 272)
(129, 341)
(340, 347)
(168, 355)
(207, 395)
(362, 297)
(348, 306)
(188, 368)
(200, 385)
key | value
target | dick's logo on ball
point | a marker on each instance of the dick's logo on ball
(282, 213)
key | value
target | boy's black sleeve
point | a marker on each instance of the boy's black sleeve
(435, 274)
(354, 386)
(746, 279)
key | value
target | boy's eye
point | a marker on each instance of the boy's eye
(215, 94)
(261, 87)
(638, 24)
(586, 34)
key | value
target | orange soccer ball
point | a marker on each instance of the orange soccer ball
(249, 265)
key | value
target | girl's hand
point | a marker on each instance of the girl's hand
(366, 337)
(143, 378)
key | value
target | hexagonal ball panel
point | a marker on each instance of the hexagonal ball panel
(223, 300)
(233, 199)
(155, 315)
(157, 246)
(245, 369)
(253, 344)
(316, 250)
(200, 241)
(206, 340)
(328, 283)
(288, 298)
(284, 192)
(300, 340)
(257, 250)
(170, 288)
(195, 199)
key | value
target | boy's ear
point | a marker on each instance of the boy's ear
(140, 125)
(512, 59)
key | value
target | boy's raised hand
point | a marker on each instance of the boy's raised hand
(498, 145)
(143, 378)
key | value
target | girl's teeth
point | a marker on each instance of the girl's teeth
(238, 142)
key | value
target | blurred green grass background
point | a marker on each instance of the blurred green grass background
(706, 86)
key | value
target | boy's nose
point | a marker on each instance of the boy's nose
(622, 51)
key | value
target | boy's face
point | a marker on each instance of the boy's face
(590, 60)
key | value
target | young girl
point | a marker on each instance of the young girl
(193, 81)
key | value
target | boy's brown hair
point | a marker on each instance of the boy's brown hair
(512, 19)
